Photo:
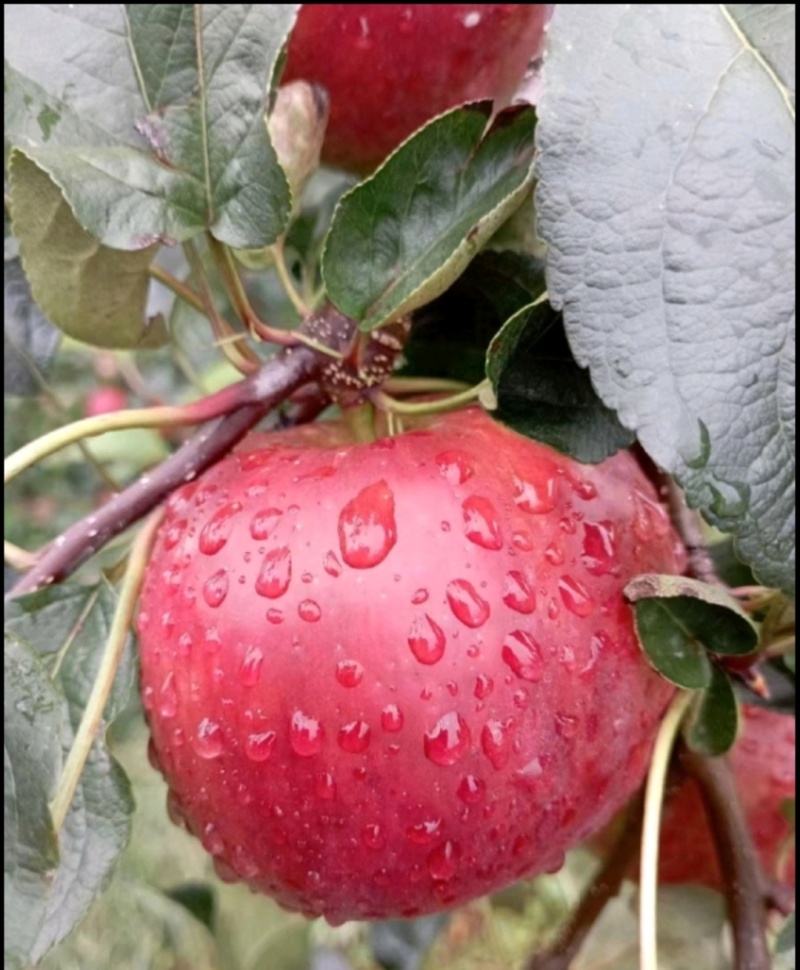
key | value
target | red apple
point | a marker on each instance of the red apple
(104, 400)
(389, 68)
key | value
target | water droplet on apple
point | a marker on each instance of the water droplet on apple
(250, 671)
(372, 837)
(454, 466)
(148, 698)
(517, 593)
(309, 611)
(331, 565)
(275, 573)
(215, 588)
(426, 640)
(305, 734)
(419, 597)
(184, 644)
(367, 528)
(448, 740)
(263, 523)
(599, 547)
(217, 530)
(423, 833)
(349, 673)
(354, 737)
(179, 737)
(443, 861)
(522, 541)
(496, 739)
(212, 641)
(575, 597)
(326, 786)
(259, 747)
(536, 493)
(168, 697)
(484, 685)
(471, 790)
(585, 490)
(481, 524)
(554, 554)
(467, 605)
(208, 739)
(392, 718)
(174, 533)
(524, 656)
(275, 616)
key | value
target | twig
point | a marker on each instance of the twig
(688, 524)
(280, 377)
(384, 402)
(286, 280)
(604, 887)
(738, 859)
(176, 286)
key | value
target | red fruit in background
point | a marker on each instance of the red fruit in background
(104, 400)
(384, 679)
(389, 68)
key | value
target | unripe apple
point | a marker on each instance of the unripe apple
(389, 68)
(386, 678)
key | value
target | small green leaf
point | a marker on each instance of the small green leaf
(670, 646)
(90, 292)
(402, 237)
(709, 613)
(543, 393)
(32, 763)
(714, 718)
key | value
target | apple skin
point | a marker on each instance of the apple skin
(389, 68)
(438, 688)
(104, 400)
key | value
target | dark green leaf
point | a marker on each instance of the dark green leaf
(670, 646)
(198, 898)
(69, 627)
(402, 237)
(714, 719)
(542, 393)
(32, 763)
(451, 335)
(709, 613)
(728, 566)
(29, 339)
(150, 117)
(666, 186)
(92, 293)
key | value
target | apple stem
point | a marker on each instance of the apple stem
(361, 422)
(285, 373)
(603, 887)
(176, 286)
(653, 800)
(689, 526)
(424, 385)
(101, 689)
(745, 886)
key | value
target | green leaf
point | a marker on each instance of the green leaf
(402, 237)
(714, 718)
(542, 393)
(69, 627)
(30, 341)
(666, 195)
(150, 117)
(92, 293)
(788, 659)
(785, 946)
(712, 615)
(32, 763)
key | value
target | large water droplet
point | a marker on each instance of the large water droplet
(354, 737)
(392, 718)
(423, 833)
(217, 530)
(215, 588)
(258, 747)
(250, 671)
(168, 697)
(575, 596)
(481, 523)
(586, 490)
(426, 640)
(275, 573)
(496, 741)
(263, 523)
(349, 673)
(536, 492)
(471, 790)
(331, 565)
(372, 836)
(367, 529)
(517, 593)
(467, 605)
(454, 466)
(208, 739)
(309, 611)
(599, 547)
(305, 734)
(524, 656)
(443, 861)
(484, 685)
(448, 740)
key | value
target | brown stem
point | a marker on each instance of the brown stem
(285, 373)
(738, 859)
(604, 887)
(688, 524)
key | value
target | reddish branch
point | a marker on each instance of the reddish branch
(275, 382)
